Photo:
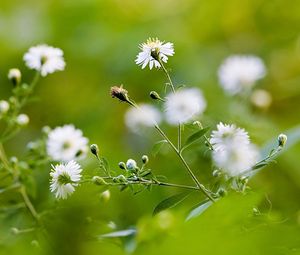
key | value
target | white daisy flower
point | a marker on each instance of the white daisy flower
(66, 143)
(183, 105)
(45, 59)
(153, 50)
(228, 136)
(239, 73)
(235, 160)
(144, 116)
(64, 179)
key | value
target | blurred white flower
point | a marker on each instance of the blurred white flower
(235, 160)
(64, 179)
(152, 50)
(4, 106)
(66, 143)
(239, 73)
(183, 105)
(261, 98)
(22, 119)
(228, 136)
(131, 164)
(45, 59)
(144, 116)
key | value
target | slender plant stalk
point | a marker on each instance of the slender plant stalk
(28, 204)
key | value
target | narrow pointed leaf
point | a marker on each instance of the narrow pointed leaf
(199, 209)
(157, 147)
(194, 137)
(171, 202)
(121, 233)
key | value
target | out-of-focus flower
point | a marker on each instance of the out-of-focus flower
(22, 119)
(228, 136)
(261, 98)
(66, 143)
(144, 115)
(238, 73)
(131, 164)
(183, 105)
(4, 106)
(152, 51)
(235, 160)
(45, 59)
(64, 179)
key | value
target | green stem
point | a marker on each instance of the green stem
(167, 74)
(28, 204)
(199, 185)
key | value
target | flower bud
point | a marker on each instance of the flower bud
(22, 120)
(14, 75)
(131, 164)
(46, 130)
(145, 159)
(120, 93)
(105, 196)
(122, 165)
(282, 138)
(94, 149)
(4, 107)
(154, 95)
(98, 180)
(222, 192)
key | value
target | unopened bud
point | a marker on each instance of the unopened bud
(122, 165)
(222, 192)
(22, 120)
(145, 159)
(131, 164)
(14, 75)
(4, 107)
(94, 149)
(282, 138)
(216, 173)
(120, 93)
(154, 95)
(105, 196)
(98, 180)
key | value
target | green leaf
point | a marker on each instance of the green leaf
(157, 147)
(198, 209)
(171, 202)
(121, 233)
(194, 137)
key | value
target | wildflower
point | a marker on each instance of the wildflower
(144, 115)
(154, 51)
(131, 164)
(235, 160)
(45, 59)
(4, 107)
(228, 135)
(14, 75)
(64, 179)
(184, 105)
(66, 143)
(239, 73)
(22, 120)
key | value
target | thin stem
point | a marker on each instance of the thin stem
(200, 186)
(28, 204)
(179, 136)
(167, 74)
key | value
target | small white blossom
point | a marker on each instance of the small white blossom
(64, 179)
(235, 160)
(4, 106)
(152, 50)
(228, 136)
(144, 116)
(183, 105)
(131, 164)
(22, 119)
(66, 143)
(45, 59)
(239, 73)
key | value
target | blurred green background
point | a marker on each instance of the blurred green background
(100, 41)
